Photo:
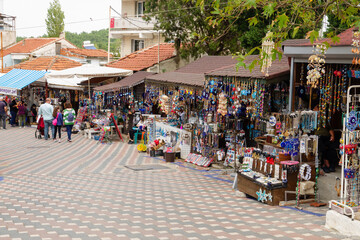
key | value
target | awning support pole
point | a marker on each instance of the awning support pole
(291, 92)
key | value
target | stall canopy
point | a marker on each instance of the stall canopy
(90, 71)
(127, 82)
(17, 79)
(66, 83)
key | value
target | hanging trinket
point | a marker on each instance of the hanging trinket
(316, 65)
(267, 48)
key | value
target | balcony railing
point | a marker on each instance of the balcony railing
(133, 23)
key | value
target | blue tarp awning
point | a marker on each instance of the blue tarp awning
(20, 78)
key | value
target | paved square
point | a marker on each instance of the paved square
(81, 190)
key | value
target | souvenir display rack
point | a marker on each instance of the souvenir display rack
(349, 201)
(273, 170)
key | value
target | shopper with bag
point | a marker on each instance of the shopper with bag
(57, 122)
(69, 119)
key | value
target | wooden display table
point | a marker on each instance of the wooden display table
(250, 187)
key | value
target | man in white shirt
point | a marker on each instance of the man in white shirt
(46, 110)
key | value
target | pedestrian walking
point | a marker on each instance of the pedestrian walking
(46, 110)
(57, 122)
(69, 119)
(13, 111)
(21, 114)
(3, 111)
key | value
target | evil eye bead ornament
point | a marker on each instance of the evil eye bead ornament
(352, 121)
(272, 121)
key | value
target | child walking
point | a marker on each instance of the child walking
(59, 122)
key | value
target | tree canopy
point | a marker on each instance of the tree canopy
(286, 18)
(99, 38)
(55, 19)
(239, 27)
(188, 25)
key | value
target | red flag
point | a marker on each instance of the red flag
(112, 23)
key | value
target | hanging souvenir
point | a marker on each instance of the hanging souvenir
(272, 121)
(351, 123)
(222, 107)
(316, 65)
(267, 47)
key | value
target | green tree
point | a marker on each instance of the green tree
(188, 25)
(286, 18)
(55, 19)
(99, 38)
(197, 29)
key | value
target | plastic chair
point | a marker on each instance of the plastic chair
(136, 135)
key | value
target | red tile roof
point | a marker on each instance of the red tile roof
(127, 82)
(46, 63)
(144, 58)
(278, 68)
(29, 45)
(82, 53)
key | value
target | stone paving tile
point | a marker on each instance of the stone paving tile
(78, 195)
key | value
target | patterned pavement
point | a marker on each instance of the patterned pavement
(81, 190)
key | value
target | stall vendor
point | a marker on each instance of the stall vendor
(140, 127)
(327, 147)
(182, 116)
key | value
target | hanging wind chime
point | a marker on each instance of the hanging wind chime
(316, 65)
(267, 47)
(356, 47)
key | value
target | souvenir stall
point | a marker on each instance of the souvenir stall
(237, 105)
(171, 101)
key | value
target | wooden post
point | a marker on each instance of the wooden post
(310, 98)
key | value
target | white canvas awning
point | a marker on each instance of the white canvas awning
(66, 83)
(90, 71)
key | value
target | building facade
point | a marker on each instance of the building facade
(132, 29)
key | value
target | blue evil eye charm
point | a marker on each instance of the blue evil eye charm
(204, 94)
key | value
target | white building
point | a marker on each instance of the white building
(132, 29)
(7, 27)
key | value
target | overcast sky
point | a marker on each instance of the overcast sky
(31, 14)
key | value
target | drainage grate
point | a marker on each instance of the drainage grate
(146, 167)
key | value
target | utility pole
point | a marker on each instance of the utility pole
(108, 60)
(158, 71)
(2, 53)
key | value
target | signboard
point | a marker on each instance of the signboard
(8, 91)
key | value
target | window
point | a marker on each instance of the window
(139, 8)
(137, 45)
